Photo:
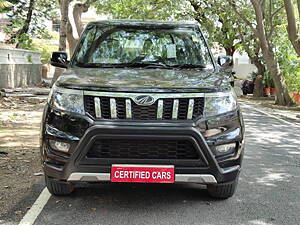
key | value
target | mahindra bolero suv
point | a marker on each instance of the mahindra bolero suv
(145, 102)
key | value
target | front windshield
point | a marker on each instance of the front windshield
(118, 47)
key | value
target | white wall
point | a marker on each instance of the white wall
(19, 68)
(242, 65)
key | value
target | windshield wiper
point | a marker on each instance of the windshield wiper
(88, 65)
(121, 65)
(138, 64)
(188, 66)
(146, 65)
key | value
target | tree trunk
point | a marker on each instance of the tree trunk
(77, 12)
(292, 26)
(25, 28)
(254, 57)
(71, 40)
(64, 9)
(258, 84)
(259, 65)
(282, 95)
(258, 90)
(230, 51)
(78, 9)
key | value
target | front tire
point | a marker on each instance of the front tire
(59, 188)
(222, 191)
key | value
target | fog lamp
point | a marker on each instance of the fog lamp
(225, 148)
(59, 146)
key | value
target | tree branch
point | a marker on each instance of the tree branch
(261, 35)
(80, 8)
(25, 27)
(292, 25)
(277, 11)
(243, 17)
(271, 16)
(298, 6)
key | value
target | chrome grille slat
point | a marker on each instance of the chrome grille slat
(128, 109)
(175, 109)
(97, 107)
(190, 109)
(160, 109)
(113, 108)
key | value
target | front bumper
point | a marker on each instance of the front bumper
(81, 131)
(179, 178)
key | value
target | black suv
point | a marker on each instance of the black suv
(142, 101)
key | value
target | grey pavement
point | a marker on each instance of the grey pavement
(289, 115)
(268, 192)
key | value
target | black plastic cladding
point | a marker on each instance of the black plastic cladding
(79, 162)
(142, 149)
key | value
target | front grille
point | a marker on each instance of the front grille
(183, 108)
(89, 105)
(121, 108)
(126, 108)
(143, 149)
(144, 112)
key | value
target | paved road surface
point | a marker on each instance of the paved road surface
(268, 192)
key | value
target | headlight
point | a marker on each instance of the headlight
(219, 103)
(67, 99)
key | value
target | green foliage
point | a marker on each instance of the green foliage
(293, 80)
(45, 47)
(4, 5)
(288, 59)
(275, 28)
(29, 58)
(213, 15)
(220, 25)
(46, 52)
(43, 10)
(143, 9)
(268, 81)
(26, 42)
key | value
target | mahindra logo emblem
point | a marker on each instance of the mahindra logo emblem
(144, 100)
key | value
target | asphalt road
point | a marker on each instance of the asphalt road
(268, 191)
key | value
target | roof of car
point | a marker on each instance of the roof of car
(145, 23)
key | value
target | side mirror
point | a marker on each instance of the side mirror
(59, 59)
(225, 61)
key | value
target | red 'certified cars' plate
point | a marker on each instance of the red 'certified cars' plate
(142, 173)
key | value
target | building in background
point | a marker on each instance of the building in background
(242, 66)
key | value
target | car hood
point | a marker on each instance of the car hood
(144, 80)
